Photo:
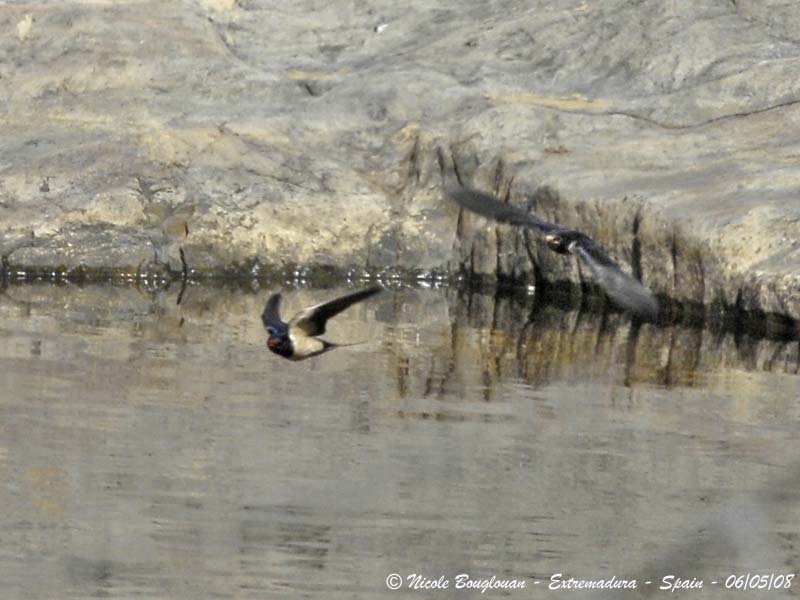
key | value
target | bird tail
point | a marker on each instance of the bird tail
(330, 345)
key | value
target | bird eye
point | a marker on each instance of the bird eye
(271, 330)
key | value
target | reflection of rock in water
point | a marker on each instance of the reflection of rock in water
(169, 318)
(442, 343)
(485, 338)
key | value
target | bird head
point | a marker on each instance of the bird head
(279, 341)
(560, 241)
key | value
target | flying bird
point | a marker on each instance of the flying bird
(627, 292)
(296, 340)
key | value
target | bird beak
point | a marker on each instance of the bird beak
(273, 342)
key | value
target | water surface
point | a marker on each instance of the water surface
(156, 450)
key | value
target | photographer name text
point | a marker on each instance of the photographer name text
(558, 582)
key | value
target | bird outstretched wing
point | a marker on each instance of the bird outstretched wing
(503, 212)
(271, 316)
(312, 320)
(626, 291)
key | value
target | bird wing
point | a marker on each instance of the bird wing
(312, 320)
(503, 212)
(271, 317)
(623, 289)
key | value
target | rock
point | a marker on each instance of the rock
(300, 135)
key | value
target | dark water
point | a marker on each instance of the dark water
(160, 451)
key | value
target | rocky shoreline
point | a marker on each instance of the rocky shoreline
(268, 140)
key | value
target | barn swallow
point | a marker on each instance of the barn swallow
(627, 292)
(296, 340)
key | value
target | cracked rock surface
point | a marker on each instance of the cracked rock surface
(309, 133)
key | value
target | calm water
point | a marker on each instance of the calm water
(155, 450)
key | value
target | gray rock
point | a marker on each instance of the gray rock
(304, 134)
